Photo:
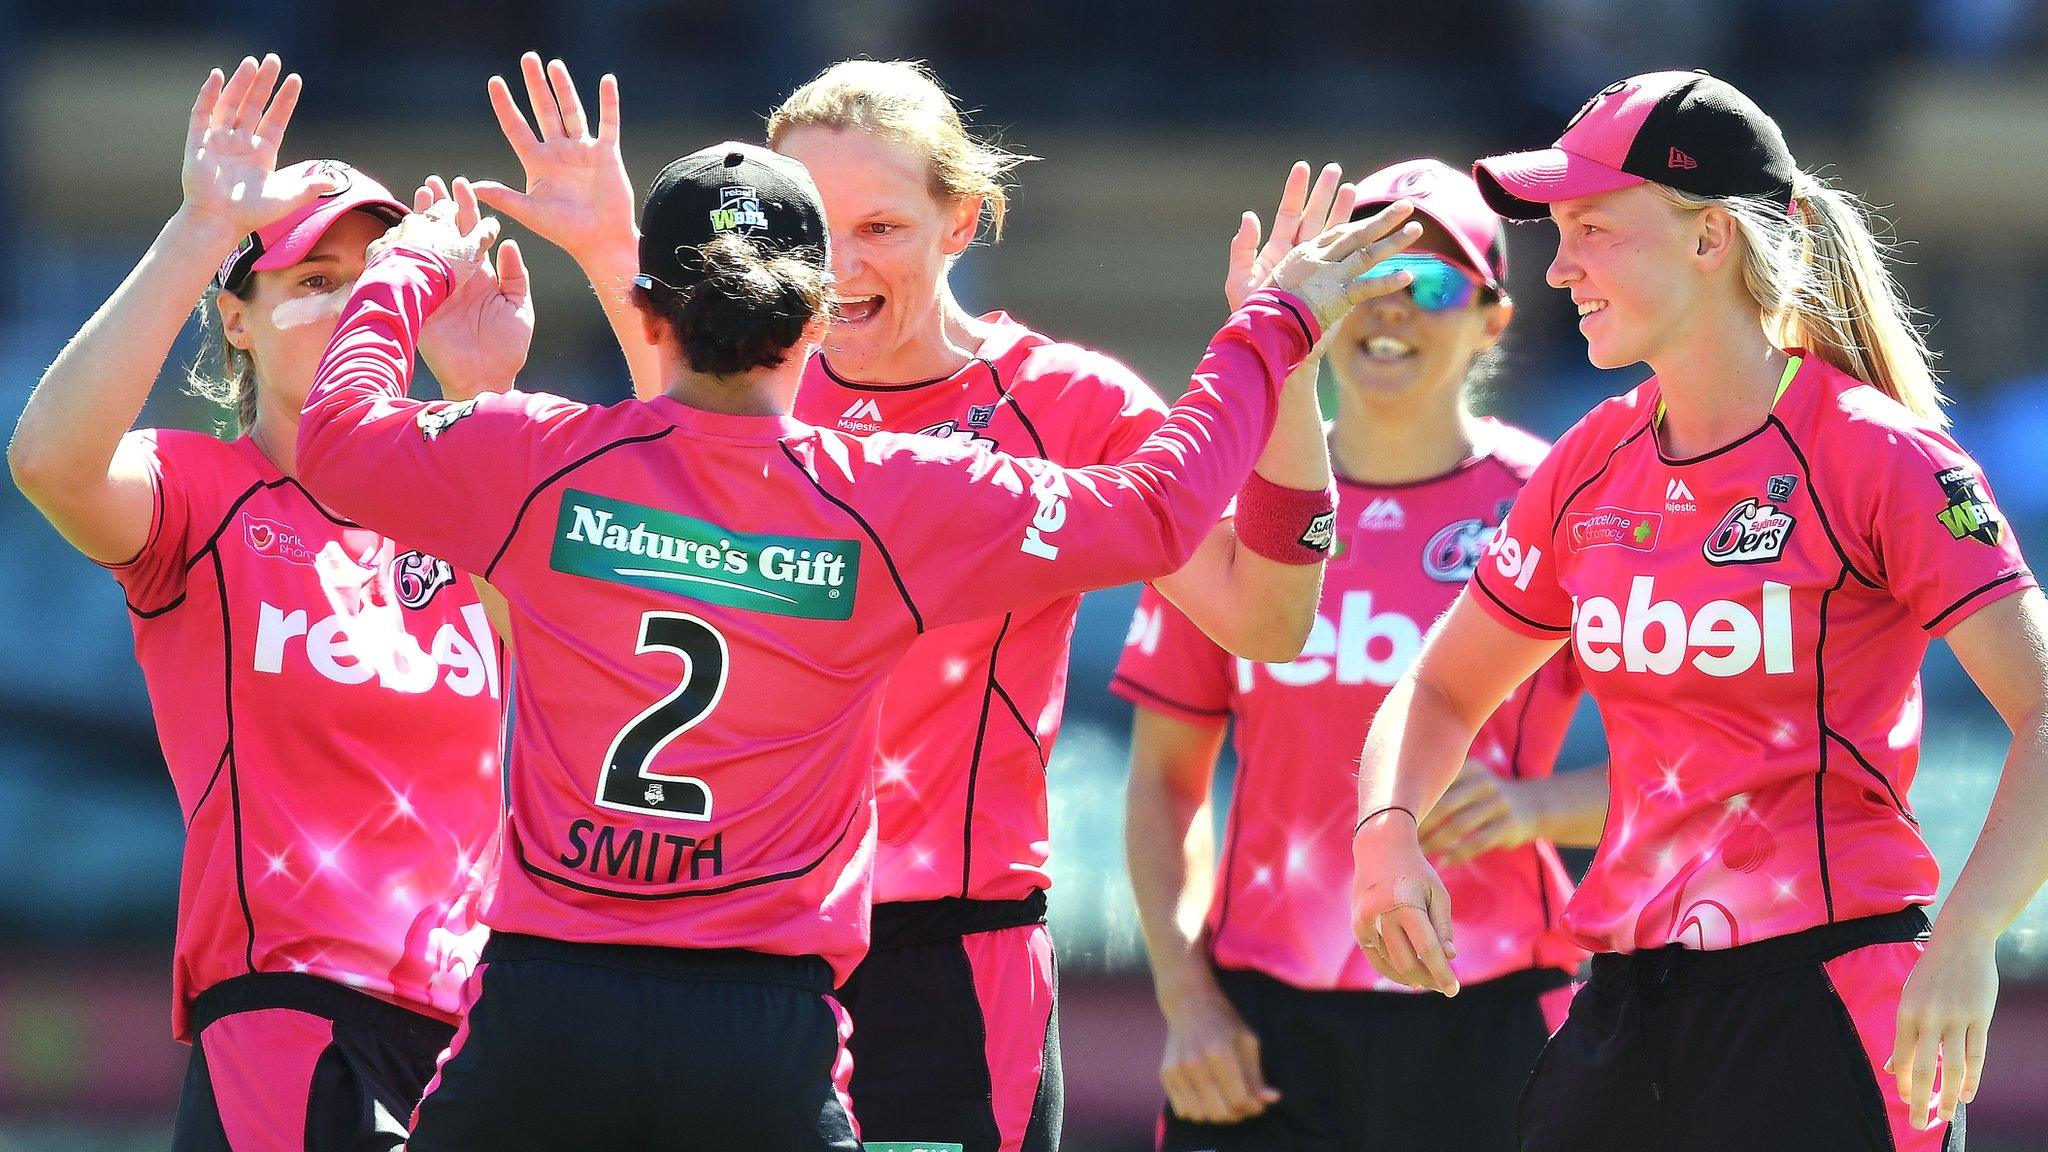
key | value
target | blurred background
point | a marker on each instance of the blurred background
(1158, 121)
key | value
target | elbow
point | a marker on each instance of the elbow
(1269, 637)
(34, 467)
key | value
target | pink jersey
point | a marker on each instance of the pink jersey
(972, 710)
(706, 606)
(1752, 622)
(1282, 903)
(329, 704)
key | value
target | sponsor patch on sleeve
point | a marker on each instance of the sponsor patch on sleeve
(1970, 514)
(434, 420)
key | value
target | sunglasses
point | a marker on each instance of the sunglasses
(1437, 285)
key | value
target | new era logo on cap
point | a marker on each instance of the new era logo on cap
(1681, 160)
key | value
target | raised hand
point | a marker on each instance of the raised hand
(578, 196)
(1331, 271)
(477, 340)
(1303, 213)
(230, 176)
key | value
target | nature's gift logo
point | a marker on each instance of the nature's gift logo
(625, 543)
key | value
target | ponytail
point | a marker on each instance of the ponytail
(748, 310)
(1819, 276)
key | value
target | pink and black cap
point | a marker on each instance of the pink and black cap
(729, 188)
(1685, 130)
(285, 242)
(1450, 198)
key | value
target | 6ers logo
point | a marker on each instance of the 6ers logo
(1453, 554)
(1752, 532)
(417, 576)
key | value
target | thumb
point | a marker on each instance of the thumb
(1248, 1058)
(512, 278)
(294, 194)
(504, 198)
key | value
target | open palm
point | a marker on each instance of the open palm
(230, 172)
(578, 196)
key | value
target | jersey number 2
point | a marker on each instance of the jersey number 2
(626, 784)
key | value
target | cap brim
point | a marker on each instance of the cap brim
(1523, 185)
(292, 247)
(1477, 258)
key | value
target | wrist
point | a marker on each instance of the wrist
(207, 233)
(1959, 927)
(1188, 977)
(617, 256)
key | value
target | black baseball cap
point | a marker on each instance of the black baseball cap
(1685, 130)
(728, 188)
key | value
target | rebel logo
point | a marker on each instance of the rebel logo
(1752, 532)
(1613, 527)
(276, 540)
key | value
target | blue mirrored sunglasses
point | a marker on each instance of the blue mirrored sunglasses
(1437, 285)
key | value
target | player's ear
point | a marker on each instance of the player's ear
(964, 223)
(234, 319)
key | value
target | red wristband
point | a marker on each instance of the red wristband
(1287, 525)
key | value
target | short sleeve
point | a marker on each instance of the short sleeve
(1942, 546)
(1517, 580)
(1170, 666)
(155, 577)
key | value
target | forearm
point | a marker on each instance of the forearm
(610, 270)
(1571, 807)
(1417, 742)
(1170, 853)
(2009, 863)
(95, 389)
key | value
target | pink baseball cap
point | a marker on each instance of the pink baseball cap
(283, 243)
(1685, 130)
(1452, 199)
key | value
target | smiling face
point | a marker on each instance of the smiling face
(285, 317)
(1390, 349)
(1636, 266)
(892, 240)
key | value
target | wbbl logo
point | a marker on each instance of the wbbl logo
(739, 207)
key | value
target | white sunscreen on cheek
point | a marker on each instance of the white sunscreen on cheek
(300, 311)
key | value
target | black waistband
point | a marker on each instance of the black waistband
(737, 965)
(1673, 968)
(1525, 982)
(300, 992)
(910, 922)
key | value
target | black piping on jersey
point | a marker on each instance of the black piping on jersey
(974, 763)
(1819, 510)
(720, 890)
(857, 386)
(1878, 776)
(916, 617)
(227, 631)
(1566, 630)
(1140, 689)
(1018, 714)
(1730, 446)
(573, 465)
(210, 782)
(1820, 708)
(1589, 481)
(1003, 396)
(1972, 594)
(193, 561)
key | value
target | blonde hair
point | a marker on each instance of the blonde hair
(1820, 277)
(901, 101)
(222, 372)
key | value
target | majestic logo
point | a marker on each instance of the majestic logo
(1052, 491)
(1322, 534)
(1722, 639)
(1383, 515)
(979, 415)
(1360, 647)
(1970, 514)
(277, 540)
(739, 207)
(436, 419)
(864, 416)
(1613, 527)
(1752, 532)
(355, 649)
(417, 576)
(623, 543)
(1453, 554)
(1681, 161)
(1678, 498)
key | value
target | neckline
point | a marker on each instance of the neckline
(1005, 335)
(726, 425)
(1794, 361)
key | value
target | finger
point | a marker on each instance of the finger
(258, 98)
(608, 108)
(512, 277)
(1365, 243)
(270, 129)
(1422, 936)
(1475, 843)
(1920, 1086)
(478, 240)
(512, 122)
(1251, 1060)
(1955, 1067)
(422, 198)
(1287, 217)
(229, 105)
(1370, 287)
(1900, 1063)
(1228, 1075)
(467, 215)
(1402, 964)
(1440, 917)
(202, 109)
(566, 98)
(1343, 206)
(1178, 1098)
(1490, 808)
(1208, 1095)
(1316, 215)
(511, 201)
(547, 114)
(1975, 1043)
(438, 187)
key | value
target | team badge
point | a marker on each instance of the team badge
(416, 576)
(1752, 532)
(432, 421)
(1453, 553)
(1970, 514)
(739, 206)
(951, 430)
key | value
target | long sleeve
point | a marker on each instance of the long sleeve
(445, 476)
